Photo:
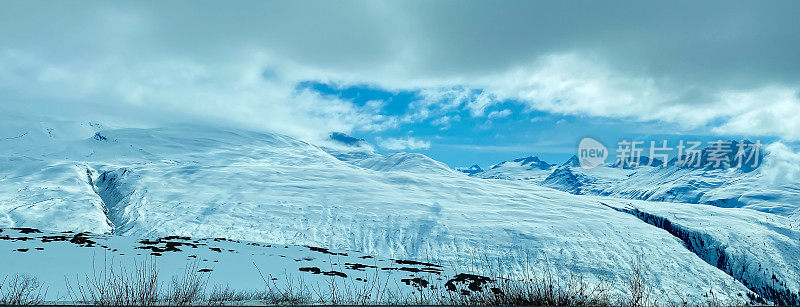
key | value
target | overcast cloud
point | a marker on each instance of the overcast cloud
(728, 65)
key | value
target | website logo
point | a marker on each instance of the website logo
(591, 153)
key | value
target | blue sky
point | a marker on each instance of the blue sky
(516, 133)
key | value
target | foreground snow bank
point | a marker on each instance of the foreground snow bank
(81, 268)
(62, 262)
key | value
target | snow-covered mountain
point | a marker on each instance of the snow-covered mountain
(771, 187)
(474, 169)
(359, 152)
(205, 182)
(528, 168)
(572, 178)
(734, 188)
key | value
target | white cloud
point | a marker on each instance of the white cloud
(782, 165)
(409, 143)
(574, 85)
(436, 102)
(763, 111)
(499, 114)
(480, 103)
(445, 121)
(168, 90)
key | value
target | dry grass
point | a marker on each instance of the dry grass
(536, 291)
(526, 288)
(188, 289)
(293, 292)
(21, 290)
(639, 291)
(116, 285)
(484, 283)
(497, 288)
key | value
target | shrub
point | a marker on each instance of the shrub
(115, 285)
(21, 290)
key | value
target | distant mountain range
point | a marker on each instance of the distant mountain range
(681, 180)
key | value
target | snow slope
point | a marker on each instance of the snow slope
(45, 191)
(752, 188)
(594, 181)
(529, 168)
(722, 188)
(719, 187)
(206, 182)
(758, 249)
(64, 259)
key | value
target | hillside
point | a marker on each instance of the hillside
(207, 182)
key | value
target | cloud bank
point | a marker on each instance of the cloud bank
(728, 66)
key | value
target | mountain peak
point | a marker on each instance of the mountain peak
(643, 161)
(528, 159)
(533, 162)
(726, 158)
(346, 139)
(572, 162)
(470, 170)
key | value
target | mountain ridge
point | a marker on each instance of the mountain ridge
(724, 186)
